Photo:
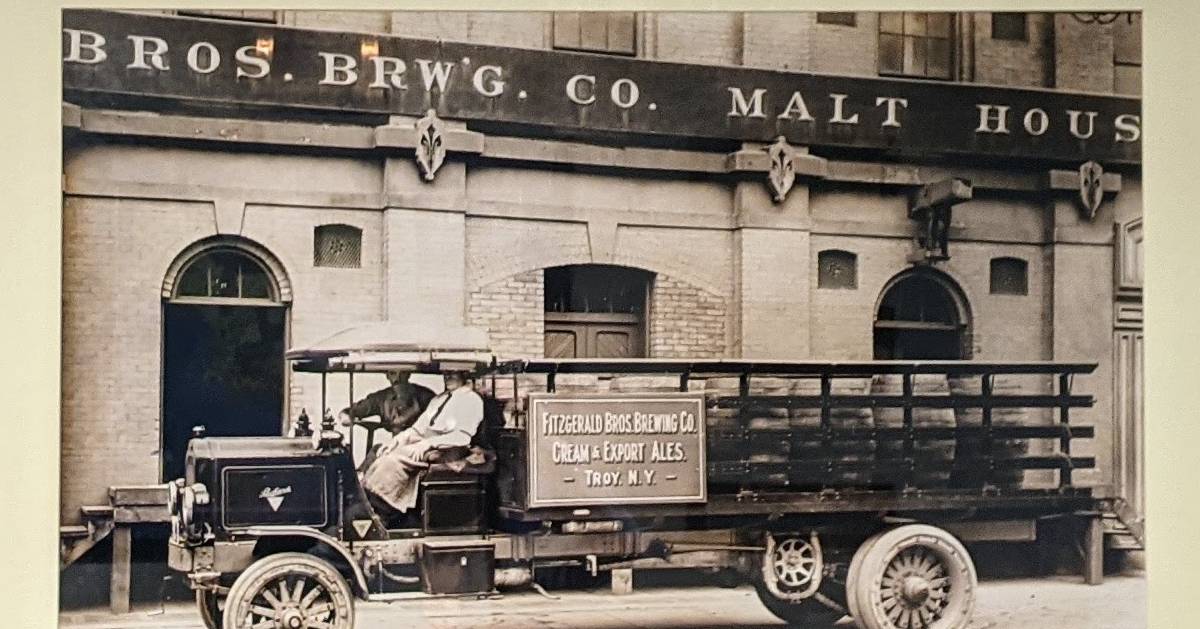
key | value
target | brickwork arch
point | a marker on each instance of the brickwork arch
(684, 319)
(275, 269)
(497, 249)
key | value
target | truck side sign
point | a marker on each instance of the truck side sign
(607, 449)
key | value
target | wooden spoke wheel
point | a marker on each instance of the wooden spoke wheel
(289, 591)
(795, 565)
(912, 577)
(211, 606)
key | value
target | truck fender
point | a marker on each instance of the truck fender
(360, 580)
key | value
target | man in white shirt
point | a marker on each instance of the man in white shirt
(450, 419)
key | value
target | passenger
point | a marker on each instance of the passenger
(450, 420)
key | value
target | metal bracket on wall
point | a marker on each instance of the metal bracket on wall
(930, 207)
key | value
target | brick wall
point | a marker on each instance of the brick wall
(776, 40)
(353, 21)
(522, 29)
(849, 50)
(1084, 59)
(116, 253)
(708, 38)
(1060, 51)
(112, 314)
(1017, 63)
(686, 321)
(512, 311)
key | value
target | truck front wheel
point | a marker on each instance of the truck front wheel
(290, 590)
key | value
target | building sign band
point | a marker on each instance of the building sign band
(595, 450)
(206, 60)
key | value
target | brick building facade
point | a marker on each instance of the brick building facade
(151, 189)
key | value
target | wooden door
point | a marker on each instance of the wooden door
(593, 335)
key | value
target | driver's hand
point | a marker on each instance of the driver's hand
(344, 418)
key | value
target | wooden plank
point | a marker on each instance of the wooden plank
(96, 511)
(138, 495)
(122, 559)
(137, 514)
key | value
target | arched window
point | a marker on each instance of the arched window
(225, 274)
(837, 269)
(1009, 276)
(922, 316)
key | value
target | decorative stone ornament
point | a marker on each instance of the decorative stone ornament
(782, 173)
(431, 147)
(1091, 188)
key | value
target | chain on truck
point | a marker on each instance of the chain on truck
(836, 488)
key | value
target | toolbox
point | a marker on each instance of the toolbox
(458, 567)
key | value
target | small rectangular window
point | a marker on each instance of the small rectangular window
(1010, 26)
(840, 18)
(1009, 276)
(837, 269)
(337, 246)
(596, 31)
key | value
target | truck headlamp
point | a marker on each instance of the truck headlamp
(191, 498)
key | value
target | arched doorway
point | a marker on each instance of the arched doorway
(922, 315)
(596, 311)
(224, 335)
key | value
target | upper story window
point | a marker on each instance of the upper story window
(611, 32)
(840, 18)
(917, 44)
(240, 15)
(1010, 26)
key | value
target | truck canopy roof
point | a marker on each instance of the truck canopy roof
(735, 366)
(395, 345)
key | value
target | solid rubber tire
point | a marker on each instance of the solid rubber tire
(876, 558)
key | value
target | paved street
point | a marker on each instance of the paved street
(1059, 602)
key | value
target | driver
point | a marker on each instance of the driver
(397, 406)
(450, 420)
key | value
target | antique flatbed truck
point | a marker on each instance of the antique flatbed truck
(834, 487)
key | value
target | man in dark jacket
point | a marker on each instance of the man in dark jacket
(397, 407)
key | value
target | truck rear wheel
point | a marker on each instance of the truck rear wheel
(290, 590)
(912, 577)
